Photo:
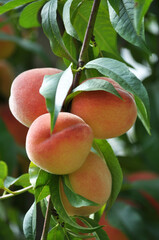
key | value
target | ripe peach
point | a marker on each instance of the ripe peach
(6, 78)
(108, 115)
(26, 103)
(63, 151)
(92, 181)
(7, 47)
(15, 128)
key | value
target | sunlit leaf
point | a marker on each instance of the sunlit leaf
(29, 15)
(55, 89)
(13, 4)
(124, 24)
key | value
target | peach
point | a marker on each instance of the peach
(15, 128)
(26, 103)
(92, 181)
(63, 151)
(108, 115)
(7, 47)
(6, 78)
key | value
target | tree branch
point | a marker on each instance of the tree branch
(87, 38)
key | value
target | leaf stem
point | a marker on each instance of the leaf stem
(12, 194)
(86, 41)
(47, 220)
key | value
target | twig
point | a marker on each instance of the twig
(87, 38)
(47, 220)
(16, 193)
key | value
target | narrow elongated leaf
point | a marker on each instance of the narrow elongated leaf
(104, 148)
(55, 89)
(52, 31)
(29, 223)
(23, 181)
(92, 85)
(120, 73)
(33, 173)
(3, 170)
(115, 5)
(71, 46)
(42, 185)
(140, 9)
(56, 200)
(100, 234)
(13, 4)
(67, 20)
(75, 200)
(104, 34)
(29, 15)
(124, 24)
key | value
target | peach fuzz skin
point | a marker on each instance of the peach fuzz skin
(26, 103)
(92, 181)
(107, 115)
(63, 151)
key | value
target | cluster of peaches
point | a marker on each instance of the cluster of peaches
(67, 150)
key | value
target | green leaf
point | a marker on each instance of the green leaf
(100, 234)
(29, 223)
(140, 9)
(104, 34)
(23, 181)
(67, 21)
(115, 5)
(105, 150)
(51, 29)
(3, 170)
(124, 24)
(29, 15)
(56, 233)
(121, 74)
(1, 183)
(92, 85)
(33, 173)
(13, 4)
(75, 200)
(55, 89)
(72, 47)
(56, 200)
(42, 185)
